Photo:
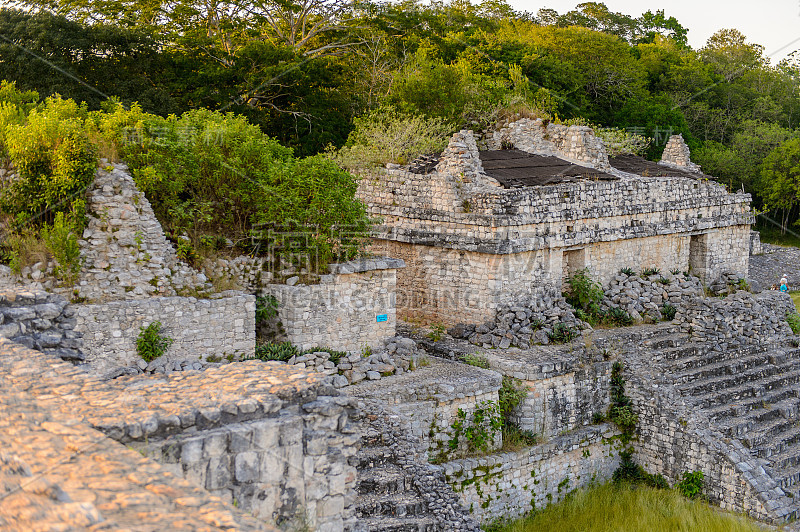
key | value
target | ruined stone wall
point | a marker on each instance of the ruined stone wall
(272, 437)
(577, 144)
(514, 484)
(200, 327)
(125, 253)
(739, 318)
(40, 321)
(676, 154)
(352, 308)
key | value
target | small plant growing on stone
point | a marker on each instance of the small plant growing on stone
(152, 343)
(475, 360)
(424, 362)
(627, 271)
(620, 317)
(691, 485)
(649, 272)
(665, 281)
(562, 333)
(479, 429)
(675, 271)
(436, 333)
(668, 312)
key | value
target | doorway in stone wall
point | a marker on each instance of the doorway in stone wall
(698, 255)
(574, 260)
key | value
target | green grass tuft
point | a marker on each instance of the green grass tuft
(616, 507)
(796, 298)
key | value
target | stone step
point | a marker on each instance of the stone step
(393, 524)
(384, 479)
(790, 478)
(676, 353)
(372, 457)
(747, 389)
(665, 341)
(707, 358)
(786, 453)
(735, 366)
(766, 434)
(392, 505)
(720, 413)
(758, 418)
(753, 376)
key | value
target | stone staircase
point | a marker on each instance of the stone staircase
(748, 392)
(387, 498)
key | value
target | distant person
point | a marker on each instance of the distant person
(784, 283)
(784, 287)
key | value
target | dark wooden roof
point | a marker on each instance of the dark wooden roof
(634, 164)
(516, 168)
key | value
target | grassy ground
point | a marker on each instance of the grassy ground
(796, 298)
(772, 235)
(620, 508)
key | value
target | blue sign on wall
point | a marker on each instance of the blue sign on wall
(382, 317)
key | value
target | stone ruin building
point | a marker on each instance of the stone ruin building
(485, 227)
(479, 238)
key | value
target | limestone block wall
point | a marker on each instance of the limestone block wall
(573, 143)
(351, 308)
(218, 326)
(513, 484)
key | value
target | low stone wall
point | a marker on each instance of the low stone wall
(40, 321)
(264, 437)
(740, 317)
(224, 325)
(513, 484)
(643, 296)
(351, 309)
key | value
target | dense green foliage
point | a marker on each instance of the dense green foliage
(310, 74)
(691, 484)
(615, 506)
(214, 181)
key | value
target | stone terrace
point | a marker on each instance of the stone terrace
(51, 408)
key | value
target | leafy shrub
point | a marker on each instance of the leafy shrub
(691, 485)
(562, 333)
(266, 308)
(620, 410)
(54, 159)
(512, 392)
(630, 471)
(282, 351)
(668, 312)
(61, 240)
(436, 332)
(475, 360)
(335, 356)
(387, 136)
(152, 343)
(620, 141)
(794, 321)
(583, 293)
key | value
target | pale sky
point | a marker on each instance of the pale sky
(774, 24)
